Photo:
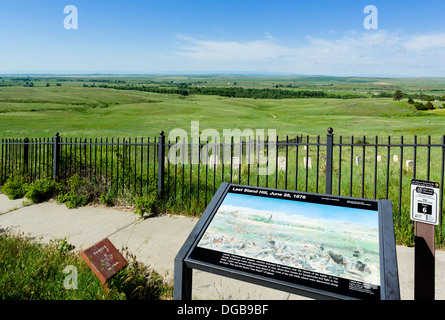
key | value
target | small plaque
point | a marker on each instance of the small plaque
(104, 259)
(425, 201)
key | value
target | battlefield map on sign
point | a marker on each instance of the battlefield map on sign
(327, 243)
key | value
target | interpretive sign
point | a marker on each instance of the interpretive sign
(104, 259)
(320, 246)
(425, 201)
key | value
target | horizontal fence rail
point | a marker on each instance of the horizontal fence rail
(188, 173)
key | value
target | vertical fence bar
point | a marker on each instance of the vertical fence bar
(363, 167)
(267, 161)
(387, 167)
(329, 159)
(400, 180)
(161, 154)
(415, 158)
(441, 189)
(428, 159)
(207, 169)
(276, 163)
(56, 158)
(40, 158)
(199, 168)
(351, 166)
(375, 166)
(25, 155)
(307, 162)
(317, 173)
(191, 170)
(340, 145)
(2, 171)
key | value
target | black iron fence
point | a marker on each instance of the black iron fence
(187, 173)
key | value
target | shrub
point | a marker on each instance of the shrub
(429, 105)
(41, 190)
(421, 106)
(15, 187)
(75, 193)
(146, 204)
(137, 282)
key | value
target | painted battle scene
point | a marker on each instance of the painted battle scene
(338, 241)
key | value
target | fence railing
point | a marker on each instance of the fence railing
(362, 167)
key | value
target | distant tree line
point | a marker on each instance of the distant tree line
(235, 92)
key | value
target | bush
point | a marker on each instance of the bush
(146, 204)
(41, 190)
(15, 187)
(75, 193)
(426, 106)
(137, 282)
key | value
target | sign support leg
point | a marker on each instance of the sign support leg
(182, 281)
(424, 262)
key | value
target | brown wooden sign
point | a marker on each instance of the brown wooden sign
(104, 259)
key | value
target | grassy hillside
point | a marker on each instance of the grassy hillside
(77, 111)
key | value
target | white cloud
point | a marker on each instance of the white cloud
(426, 42)
(376, 52)
(232, 50)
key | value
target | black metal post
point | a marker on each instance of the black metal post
(329, 159)
(56, 157)
(25, 154)
(424, 262)
(161, 163)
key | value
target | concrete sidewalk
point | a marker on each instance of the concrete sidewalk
(156, 240)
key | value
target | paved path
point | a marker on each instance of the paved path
(156, 240)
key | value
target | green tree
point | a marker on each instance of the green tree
(421, 96)
(429, 105)
(398, 95)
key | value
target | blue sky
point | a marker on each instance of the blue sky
(306, 209)
(296, 37)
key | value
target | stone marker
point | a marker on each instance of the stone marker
(409, 163)
(395, 158)
(358, 160)
(104, 259)
(307, 162)
(282, 163)
(235, 162)
(213, 161)
(379, 158)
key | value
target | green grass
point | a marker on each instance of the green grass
(75, 111)
(31, 270)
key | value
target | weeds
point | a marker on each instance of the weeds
(40, 190)
(16, 186)
(41, 270)
(76, 193)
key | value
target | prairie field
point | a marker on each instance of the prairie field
(89, 112)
